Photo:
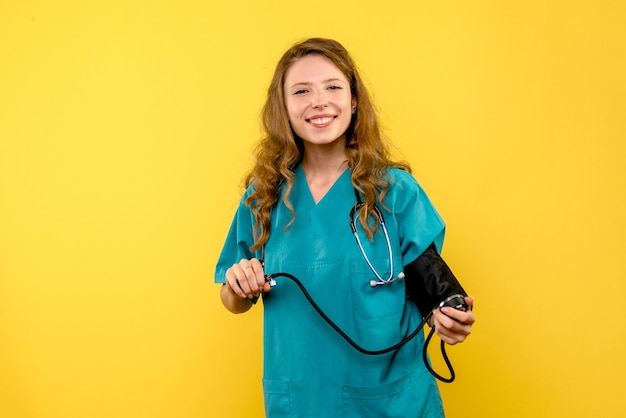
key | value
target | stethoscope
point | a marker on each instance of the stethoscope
(270, 278)
(381, 221)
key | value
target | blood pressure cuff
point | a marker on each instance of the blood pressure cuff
(429, 281)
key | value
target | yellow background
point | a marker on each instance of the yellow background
(125, 129)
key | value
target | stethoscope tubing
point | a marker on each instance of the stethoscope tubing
(271, 279)
(338, 329)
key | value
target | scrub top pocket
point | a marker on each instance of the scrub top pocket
(277, 398)
(392, 400)
(371, 302)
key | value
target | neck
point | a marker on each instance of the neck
(324, 167)
(325, 160)
(321, 174)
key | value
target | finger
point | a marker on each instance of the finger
(463, 317)
(239, 280)
(453, 313)
(248, 269)
(442, 331)
(450, 330)
(259, 273)
(442, 321)
(461, 324)
(449, 337)
(233, 283)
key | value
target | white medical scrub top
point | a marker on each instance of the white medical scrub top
(309, 369)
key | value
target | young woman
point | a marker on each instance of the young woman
(322, 153)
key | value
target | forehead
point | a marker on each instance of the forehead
(311, 69)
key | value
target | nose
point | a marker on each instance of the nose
(319, 100)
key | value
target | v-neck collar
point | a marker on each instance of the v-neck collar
(305, 184)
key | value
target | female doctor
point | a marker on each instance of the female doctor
(321, 152)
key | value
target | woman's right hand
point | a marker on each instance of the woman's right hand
(246, 279)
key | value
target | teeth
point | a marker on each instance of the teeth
(321, 121)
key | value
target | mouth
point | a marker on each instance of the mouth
(321, 121)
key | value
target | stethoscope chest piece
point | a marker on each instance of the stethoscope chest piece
(375, 283)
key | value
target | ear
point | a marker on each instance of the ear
(353, 105)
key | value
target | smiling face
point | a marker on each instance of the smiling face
(318, 100)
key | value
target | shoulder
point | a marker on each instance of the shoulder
(249, 190)
(405, 192)
(402, 182)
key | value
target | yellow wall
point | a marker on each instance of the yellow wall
(125, 127)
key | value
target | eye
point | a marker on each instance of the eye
(300, 91)
(334, 87)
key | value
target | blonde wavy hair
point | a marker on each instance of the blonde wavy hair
(280, 150)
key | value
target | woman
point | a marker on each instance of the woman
(322, 152)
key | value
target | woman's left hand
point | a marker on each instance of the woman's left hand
(452, 325)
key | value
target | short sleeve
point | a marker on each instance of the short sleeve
(238, 241)
(419, 223)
